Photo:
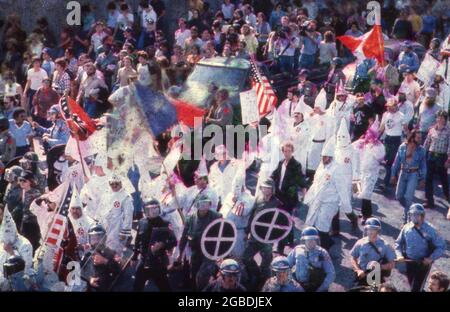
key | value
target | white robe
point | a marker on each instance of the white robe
(229, 210)
(220, 181)
(301, 138)
(339, 110)
(81, 228)
(116, 216)
(367, 166)
(188, 195)
(344, 159)
(22, 247)
(322, 128)
(324, 196)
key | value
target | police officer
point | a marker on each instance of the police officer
(30, 162)
(265, 200)
(152, 246)
(419, 244)
(313, 267)
(96, 236)
(105, 269)
(369, 249)
(228, 280)
(282, 280)
(196, 223)
(16, 278)
(7, 143)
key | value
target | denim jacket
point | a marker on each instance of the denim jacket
(418, 161)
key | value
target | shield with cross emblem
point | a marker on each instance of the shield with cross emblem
(218, 239)
(271, 225)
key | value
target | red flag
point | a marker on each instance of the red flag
(187, 112)
(369, 45)
(79, 122)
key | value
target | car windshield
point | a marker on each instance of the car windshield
(229, 78)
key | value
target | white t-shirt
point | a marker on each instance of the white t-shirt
(147, 16)
(181, 36)
(125, 22)
(144, 75)
(393, 123)
(96, 40)
(410, 90)
(36, 78)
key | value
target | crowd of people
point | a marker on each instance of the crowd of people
(329, 144)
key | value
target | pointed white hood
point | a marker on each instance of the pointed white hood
(329, 148)
(343, 136)
(321, 100)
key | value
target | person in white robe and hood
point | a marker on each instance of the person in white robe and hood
(80, 222)
(341, 108)
(12, 243)
(326, 195)
(237, 208)
(300, 132)
(116, 214)
(369, 153)
(343, 157)
(322, 128)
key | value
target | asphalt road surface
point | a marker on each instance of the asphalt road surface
(390, 212)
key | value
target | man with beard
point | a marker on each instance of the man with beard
(90, 88)
(427, 112)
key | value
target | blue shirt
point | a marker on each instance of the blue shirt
(365, 253)
(427, 117)
(418, 161)
(409, 243)
(275, 18)
(59, 132)
(310, 46)
(429, 23)
(411, 60)
(20, 133)
(318, 258)
(362, 69)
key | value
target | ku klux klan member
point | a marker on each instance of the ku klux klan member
(89, 194)
(80, 222)
(189, 196)
(344, 154)
(341, 108)
(12, 243)
(237, 208)
(327, 194)
(116, 214)
(322, 128)
(300, 133)
(369, 153)
(222, 172)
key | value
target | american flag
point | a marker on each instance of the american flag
(265, 95)
(60, 227)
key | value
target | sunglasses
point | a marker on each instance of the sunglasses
(23, 180)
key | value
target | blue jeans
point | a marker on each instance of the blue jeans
(391, 143)
(286, 63)
(406, 186)
(307, 60)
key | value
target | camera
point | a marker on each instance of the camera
(304, 28)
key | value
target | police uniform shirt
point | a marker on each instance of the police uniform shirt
(364, 252)
(317, 258)
(410, 244)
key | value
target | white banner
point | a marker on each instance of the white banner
(427, 69)
(249, 107)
